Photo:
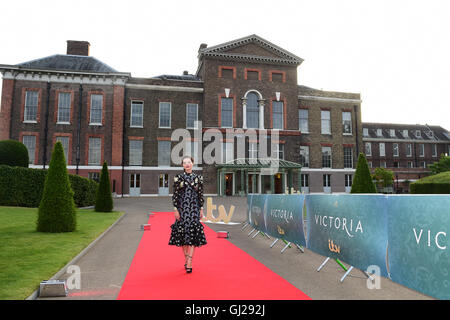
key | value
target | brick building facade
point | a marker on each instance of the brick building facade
(248, 84)
(407, 150)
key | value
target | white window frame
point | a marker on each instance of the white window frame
(351, 157)
(405, 133)
(410, 164)
(382, 148)
(324, 151)
(326, 180)
(383, 164)
(135, 154)
(434, 150)
(325, 120)
(26, 106)
(31, 147)
(418, 134)
(306, 155)
(91, 123)
(303, 122)
(196, 115)
(379, 132)
(162, 152)
(135, 103)
(94, 153)
(278, 113)
(279, 150)
(408, 150)
(348, 180)
(392, 133)
(304, 180)
(221, 112)
(365, 132)
(346, 114)
(395, 150)
(421, 150)
(252, 150)
(170, 115)
(369, 145)
(227, 151)
(59, 107)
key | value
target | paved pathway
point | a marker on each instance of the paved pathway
(105, 265)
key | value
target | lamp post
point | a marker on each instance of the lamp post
(396, 188)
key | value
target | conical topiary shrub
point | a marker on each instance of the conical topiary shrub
(103, 200)
(57, 208)
(362, 181)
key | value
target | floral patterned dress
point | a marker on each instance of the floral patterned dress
(188, 199)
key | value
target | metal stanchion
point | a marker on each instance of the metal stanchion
(273, 243)
(256, 234)
(285, 247)
(323, 264)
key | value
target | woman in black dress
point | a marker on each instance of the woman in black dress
(187, 231)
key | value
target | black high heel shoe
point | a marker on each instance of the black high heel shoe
(188, 270)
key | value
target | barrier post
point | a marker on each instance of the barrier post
(287, 245)
(273, 243)
(256, 234)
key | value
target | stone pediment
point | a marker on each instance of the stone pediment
(251, 49)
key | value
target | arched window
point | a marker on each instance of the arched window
(252, 110)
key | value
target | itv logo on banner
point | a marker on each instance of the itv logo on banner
(284, 219)
(419, 248)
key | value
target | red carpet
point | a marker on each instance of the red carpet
(221, 271)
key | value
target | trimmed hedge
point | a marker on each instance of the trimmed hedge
(435, 184)
(13, 153)
(362, 181)
(23, 187)
(57, 209)
(104, 201)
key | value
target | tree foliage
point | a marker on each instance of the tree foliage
(442, 165)
(57, 208)
(362, 182)
(104, 201)
(384, 177)
(13, 153)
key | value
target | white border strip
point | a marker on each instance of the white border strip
(163, 88)
(330, 99)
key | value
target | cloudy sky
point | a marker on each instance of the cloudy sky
(395, 53)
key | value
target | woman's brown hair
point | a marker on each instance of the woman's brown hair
(187, 157)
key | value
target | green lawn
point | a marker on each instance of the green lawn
(27, 257)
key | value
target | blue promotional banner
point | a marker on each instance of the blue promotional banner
(405, 236)
(255, 211)
(419, 243)
(351, 228)
(283, 217)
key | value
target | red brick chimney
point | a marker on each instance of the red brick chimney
(80, 48)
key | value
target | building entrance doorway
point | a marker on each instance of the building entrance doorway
(135, 185)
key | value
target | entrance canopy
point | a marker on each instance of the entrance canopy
(259, 163)
(254, 177)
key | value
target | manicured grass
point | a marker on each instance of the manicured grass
(27, 257)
